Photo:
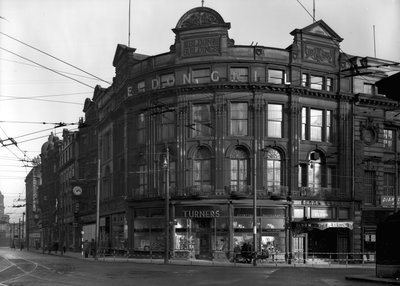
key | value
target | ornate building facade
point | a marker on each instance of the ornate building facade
(213, 144)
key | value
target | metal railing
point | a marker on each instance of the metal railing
(209, 191)
(262, 258)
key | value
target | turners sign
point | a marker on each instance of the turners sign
(200, 212)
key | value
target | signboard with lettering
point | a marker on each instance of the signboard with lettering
(324, 224)
(200, 211)
(207, 46)
(388, 201)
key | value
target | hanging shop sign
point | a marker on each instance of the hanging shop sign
(335, 224)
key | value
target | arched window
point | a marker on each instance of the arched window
(273, 168)
(239, 170)
(202, 167)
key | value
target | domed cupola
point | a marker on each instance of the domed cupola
(49, 145)
(201, 17)
(201, 32)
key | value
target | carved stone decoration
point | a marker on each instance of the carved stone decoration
(219, 108)
(199, 19)
(318, 54)
(369, 132)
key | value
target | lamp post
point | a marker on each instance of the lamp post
(165, 166)
(254, 186)
(23, 225)
(97, 209)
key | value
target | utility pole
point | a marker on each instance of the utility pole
(254, 182)
(165, 166)
(396, 184)
(19, 232)
(23, 219)
(98, 209)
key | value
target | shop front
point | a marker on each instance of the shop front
(208, 231)
(201, 232)
(326, 239)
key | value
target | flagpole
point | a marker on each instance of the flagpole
(129, 27)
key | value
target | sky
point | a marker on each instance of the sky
(37, 91)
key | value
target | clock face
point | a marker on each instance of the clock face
(77, 191)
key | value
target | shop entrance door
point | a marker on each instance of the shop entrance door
(300, 248)
(205, 245)
(343, 246)
(204, 238)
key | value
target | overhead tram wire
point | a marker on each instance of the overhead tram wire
(40, 122)
(70, 73)
(45, 130)
(9, 97)
(58, 59)
(14, 143)
(37, 99)
(50, 69)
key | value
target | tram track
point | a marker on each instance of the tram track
(19, 268)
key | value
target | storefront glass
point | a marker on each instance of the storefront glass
(148, 234)
(200, 237)
(271, 235)
(201, 232)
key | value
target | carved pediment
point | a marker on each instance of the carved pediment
(320, 28)
(316, 43)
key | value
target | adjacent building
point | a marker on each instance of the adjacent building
(219, 144)
(32, 182)
(5, 236)
(49, 192)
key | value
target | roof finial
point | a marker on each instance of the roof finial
(202, 3)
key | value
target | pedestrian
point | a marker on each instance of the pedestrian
(86, 248)
(93, 248)
(56, 247)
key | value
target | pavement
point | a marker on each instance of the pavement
(226, 263)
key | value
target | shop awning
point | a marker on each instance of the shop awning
(322, 225)
(336, 224)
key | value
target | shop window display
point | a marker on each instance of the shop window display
(149, 235)
(200, 238)
(270, 235)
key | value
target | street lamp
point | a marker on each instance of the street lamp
(97, 209)
(165, 166)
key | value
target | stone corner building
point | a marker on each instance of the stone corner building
(304, 128)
